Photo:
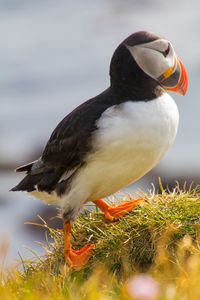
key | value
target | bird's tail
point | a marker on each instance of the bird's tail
(28, 183)
(25, 168)
(39, 177)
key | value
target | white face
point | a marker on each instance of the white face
(157, 58)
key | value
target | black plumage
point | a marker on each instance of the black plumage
(71, 141)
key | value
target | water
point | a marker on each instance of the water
(55, 55)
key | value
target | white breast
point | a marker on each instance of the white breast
(130, 140)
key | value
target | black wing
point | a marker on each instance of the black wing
(70, 141)
(67, 147)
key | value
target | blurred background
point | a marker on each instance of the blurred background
(53, 56)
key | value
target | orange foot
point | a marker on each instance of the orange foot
(113, 213)
(75, 259)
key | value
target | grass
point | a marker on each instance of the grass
(160, 239)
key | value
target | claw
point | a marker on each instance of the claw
(113, 213)
(75, 259)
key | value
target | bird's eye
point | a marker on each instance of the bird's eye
(165, 52)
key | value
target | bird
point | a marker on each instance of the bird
(113, 139)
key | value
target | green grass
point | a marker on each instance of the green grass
(161, 239)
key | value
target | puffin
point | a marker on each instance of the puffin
(113, 139)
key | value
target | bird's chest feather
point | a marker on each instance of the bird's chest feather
(138, 124)
(132, 137)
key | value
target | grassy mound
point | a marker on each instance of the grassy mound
(135, 239)
(160, 239)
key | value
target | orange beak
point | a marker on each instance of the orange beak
(175, 79)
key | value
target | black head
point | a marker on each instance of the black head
(143, 64)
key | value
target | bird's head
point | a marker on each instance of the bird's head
(147, 59)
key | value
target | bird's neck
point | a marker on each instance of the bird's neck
(136, 90)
